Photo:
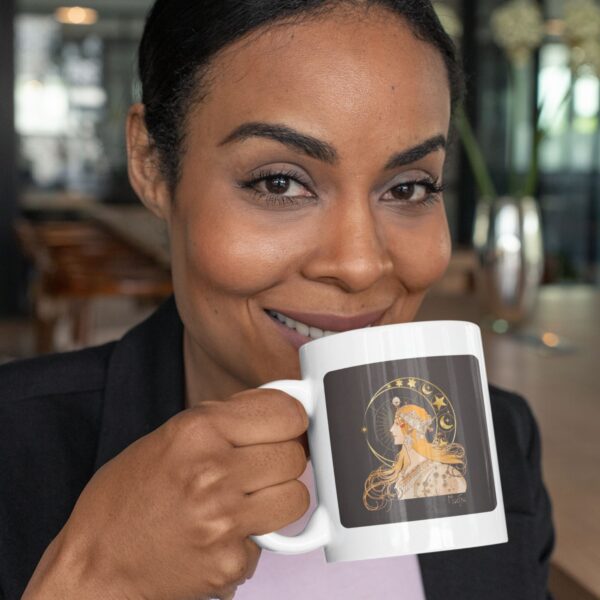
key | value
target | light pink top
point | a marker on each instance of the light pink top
(305, 576)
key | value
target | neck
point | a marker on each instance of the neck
(205, 379)
(415, 458)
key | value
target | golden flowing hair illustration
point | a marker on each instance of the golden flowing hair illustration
(415, 420)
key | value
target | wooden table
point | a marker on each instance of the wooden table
(562, 387)
(77, 262)
(133, 223)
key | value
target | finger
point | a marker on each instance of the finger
(227, 594)
(254, 552)
(257, 417)
(275, 507)
(265, 465)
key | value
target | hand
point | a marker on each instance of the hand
(169, 517)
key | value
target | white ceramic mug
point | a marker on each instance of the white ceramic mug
(401, 442)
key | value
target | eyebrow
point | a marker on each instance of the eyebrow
(323, 151)
(406, 157)
(295, 140)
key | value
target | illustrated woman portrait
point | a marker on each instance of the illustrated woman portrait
(422, 469)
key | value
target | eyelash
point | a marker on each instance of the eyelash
(276, 200)
(433, 190)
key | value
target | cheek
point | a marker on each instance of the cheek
(421, 253)
(230, 249)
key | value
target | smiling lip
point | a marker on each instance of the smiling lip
(333, 322)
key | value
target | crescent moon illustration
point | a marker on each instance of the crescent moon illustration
(427, 389)
(445, 425)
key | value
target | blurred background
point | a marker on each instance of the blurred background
(81, 261)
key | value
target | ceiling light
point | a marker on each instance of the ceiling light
(76, 15)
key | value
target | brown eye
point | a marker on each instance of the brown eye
(279, 190)
(404, 191)
(415, 193)
(277, 184)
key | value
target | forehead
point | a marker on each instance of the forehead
(347, 77)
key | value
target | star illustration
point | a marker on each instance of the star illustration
(412, 383)
(439, 403)
(398, 382)
(364, 430)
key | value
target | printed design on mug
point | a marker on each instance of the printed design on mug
(417, 417)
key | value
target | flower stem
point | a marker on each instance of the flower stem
(539, 136)
(475, 156)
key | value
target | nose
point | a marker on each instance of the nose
(351, 250)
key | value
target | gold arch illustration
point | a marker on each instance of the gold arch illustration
(435, 398)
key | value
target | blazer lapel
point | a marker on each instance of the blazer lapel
(145, 382)
(443, 572)
(494, 572)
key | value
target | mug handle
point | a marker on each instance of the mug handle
(317, 532)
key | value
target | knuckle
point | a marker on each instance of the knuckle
(225, 526)
(218, 530)
(253, 552)
(233, 565)
(228, 593)
(207, 478)
(216, 580)
(187, 425)
(173, 426)
(211, 471)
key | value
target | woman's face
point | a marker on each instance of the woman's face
(308, 193)
(398, 432)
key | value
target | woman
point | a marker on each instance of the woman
(422, 469)
(295, 150)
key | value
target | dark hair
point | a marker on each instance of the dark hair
(181, 37)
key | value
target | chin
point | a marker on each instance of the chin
(274, 370)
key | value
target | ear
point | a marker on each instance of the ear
(145, 175)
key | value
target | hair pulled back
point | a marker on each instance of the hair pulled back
(181, 37)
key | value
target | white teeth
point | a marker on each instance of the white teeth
(303, 329)
(316, 333)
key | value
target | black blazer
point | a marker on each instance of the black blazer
(63, 416)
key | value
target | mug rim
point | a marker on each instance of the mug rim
(380, 328)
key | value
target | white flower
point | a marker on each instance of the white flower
(518, 28)
(582, 21)
(586, 54)
(582, 33)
